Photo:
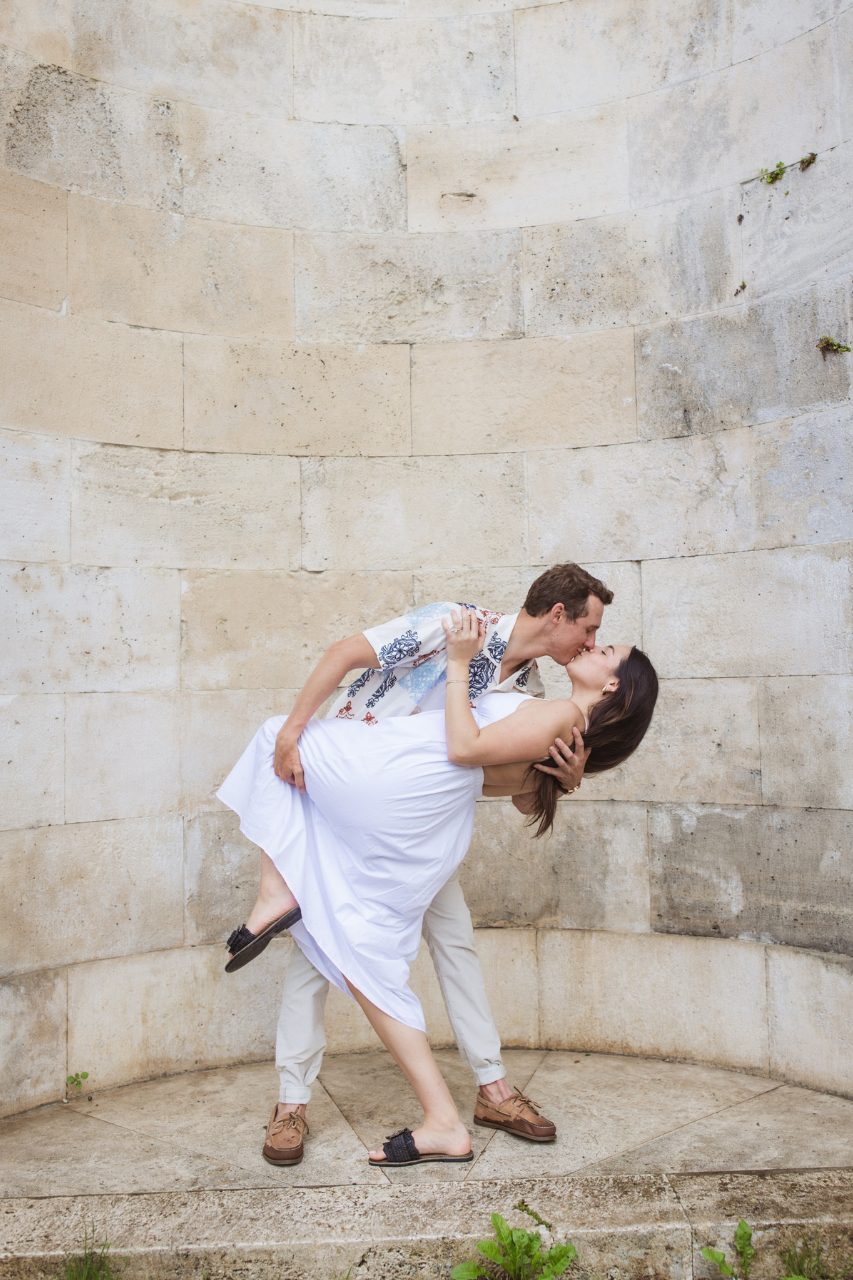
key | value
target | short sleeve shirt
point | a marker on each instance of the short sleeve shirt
(412, 653)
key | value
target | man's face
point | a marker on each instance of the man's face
(570, 637)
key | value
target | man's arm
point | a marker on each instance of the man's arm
(340, 658)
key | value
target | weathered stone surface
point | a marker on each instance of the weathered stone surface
(75, 629)
(702, 746)
(186, 510)
(510, 970)
(290, 173)
(35, 501)
(42, 30)
(407, 288)
(759, 24)
(843, 44)
(121, 755)
(695, 998)
(646, 500)
(758, 363)
(220, 875)
(810, 1001)
(78, 377)
(408, 71)
(797, 230)
(771, 875)
(104, 889)
(139, 1016)
(800, 478)
(506, 589)
(32, 748)
(32, 241)
(591, 873)
(749, 615)
(631, 268)
(416, 513)
(215, 728)
(691, 138)
(267, 630)
(494, 396)
(519, 173)
(805, 741)
(72, 131)
(146, 267)
(265, 397)
(226, 55)
(573, 55)
(32, 1047)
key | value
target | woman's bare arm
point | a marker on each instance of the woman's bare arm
(520, 738)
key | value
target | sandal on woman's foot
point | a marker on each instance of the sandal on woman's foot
(245, 945)
(400, 1150)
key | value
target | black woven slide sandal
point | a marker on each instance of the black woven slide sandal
(400, 1150)
(245, 945)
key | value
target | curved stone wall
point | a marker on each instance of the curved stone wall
(308, 311)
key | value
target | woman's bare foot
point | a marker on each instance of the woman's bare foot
(431, 1140)
(268, 907)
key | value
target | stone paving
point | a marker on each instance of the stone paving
(653, 1160)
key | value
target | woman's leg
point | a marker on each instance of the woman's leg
(442, 1129)
(274, 897)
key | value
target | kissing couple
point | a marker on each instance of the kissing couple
(364, 817)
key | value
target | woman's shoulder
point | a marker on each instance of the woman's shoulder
(563, 710)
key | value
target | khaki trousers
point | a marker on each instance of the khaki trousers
(449, 934)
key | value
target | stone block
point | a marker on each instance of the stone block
(691, 137)
(843, 44)
(32, 1047)
(32, 241)
(749, 615)
(508, 961)
(76, 377)
(135, 1017)
(590, 873)
(631, 268)
(800, 478)
(220, 875)
(161, 270)
(418, 513)
(810, 1000)
(506, 589)
(751, 364)
(35, 498)
(797, 230)
(267, 630)
(121, 755)
(486, 397)
(572, 55)
(771, 875)
(235, 57)
(805, 741)
(702, 746)
(32, 748)
(407, 288)
(185, 510)
(760, 24)
(700, 999)
(104, 889)
(41, 30)
(269, 398)
(74, 629)
(522, 173)
(646, 500)
(403, 72)
(75, 132)
(215, 728)
(291, 173)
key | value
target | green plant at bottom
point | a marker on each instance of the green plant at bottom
(805, 1262)
(826, 344)
(75, 1081)
(743, 1249)
(772, 175)
(516, 1254)
(92, 1264)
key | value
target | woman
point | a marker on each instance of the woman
(351, 864)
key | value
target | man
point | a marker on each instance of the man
(404, 662)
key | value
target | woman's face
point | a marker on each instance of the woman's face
(594, 667)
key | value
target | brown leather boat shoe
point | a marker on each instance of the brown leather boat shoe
(284, 1142)
(517, 1115)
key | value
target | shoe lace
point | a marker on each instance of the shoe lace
(521, 1100)
(291, 1120)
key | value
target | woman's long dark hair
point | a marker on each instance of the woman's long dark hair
(617, 726)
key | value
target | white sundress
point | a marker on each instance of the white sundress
(384, 822)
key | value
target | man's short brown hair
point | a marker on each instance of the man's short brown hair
(566, 584)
